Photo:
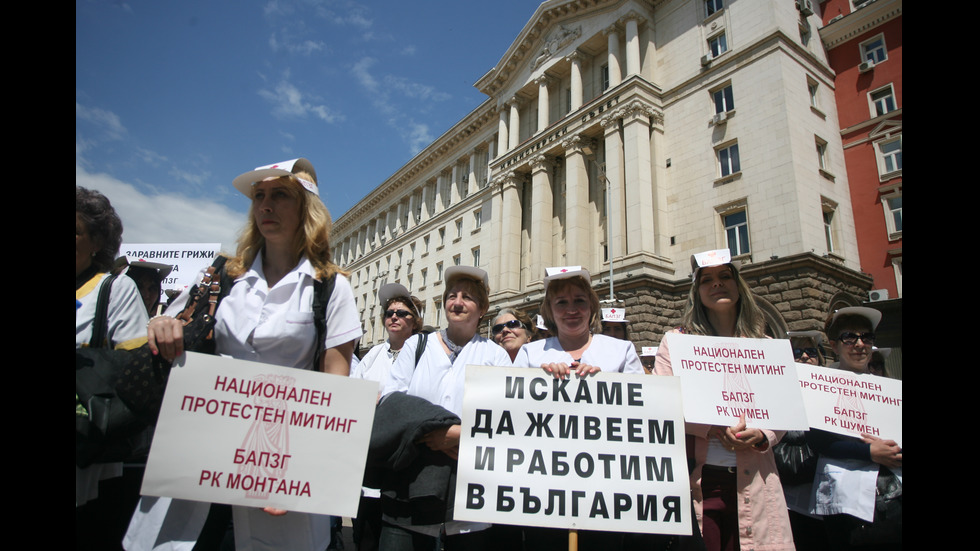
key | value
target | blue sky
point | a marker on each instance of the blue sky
(174, 99)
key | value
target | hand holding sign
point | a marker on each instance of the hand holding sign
(884, 452)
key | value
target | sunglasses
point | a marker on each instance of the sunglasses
(512, 324)
(400, 313)
(850, 339)
(799, 352)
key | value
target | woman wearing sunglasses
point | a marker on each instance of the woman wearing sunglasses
(402, 318)
(806, 347)
(512, 329)
(845, 461)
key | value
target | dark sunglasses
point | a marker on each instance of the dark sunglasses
(798, 352)
(850, 339)
(400, 313)
(512, 324)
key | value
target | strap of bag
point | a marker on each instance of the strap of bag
(100, 324)
(423, 338)
(210, 290)
(321, 297)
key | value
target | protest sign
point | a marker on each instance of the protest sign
(724, 378)
(259, 435)
(187, 259)
(605, 452)
(850, 403)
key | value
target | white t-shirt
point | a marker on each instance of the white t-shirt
(435, 378)
(126, 313)
(606, 353)
(376, 364)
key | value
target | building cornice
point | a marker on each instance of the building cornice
(849, 26)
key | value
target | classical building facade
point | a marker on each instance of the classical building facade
(623, 136)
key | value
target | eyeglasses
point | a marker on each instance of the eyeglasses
(799, 352)
(512, 324)
(400, 313)
(850, 339)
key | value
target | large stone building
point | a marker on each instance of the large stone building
(635, 132)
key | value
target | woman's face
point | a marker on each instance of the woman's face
(275, 204)
(805, 351)
(85, 246)
(462, 306)
(853, 357)
(571, 310)
(717, 288)
(397, 326)
(511, 338)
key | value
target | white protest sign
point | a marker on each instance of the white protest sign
(604, 452)
(259, 435)
(851, 403)
(188, 259)
(726, 377)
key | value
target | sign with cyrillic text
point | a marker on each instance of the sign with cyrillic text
(187, 259)
(605, 452)
(724, 378)
(245, 433)
(852, 404)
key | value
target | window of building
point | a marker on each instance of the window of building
(459, 228)
(813, 90)
(411, 249)
(724, 100)
(736, 232)
(477, 219)
(893, 214)
(410, 278)
(438, 271)
(424, 273)
(882, 101)
(890, 156)
(476, 257)
(874, 50)
(568, 100)
(713, 6)
(425, 245)
(728, 162)
(604, 76)
(821, 153)
(829, 224)
(456, 260)
(442, 237)
(717, 45)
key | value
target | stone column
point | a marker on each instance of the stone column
(502, 140)
(515, 123)
(426, 191)
(579, 233)
(575, 58)
(542, 204)
(471, 184)
(440, 196)
(400, 217)
(412, 207)
(454, 178)
(388, 234)
(639, 193)
(616, 217)
(543, 104)
(615, 73)
(633, 21)
(510, 233)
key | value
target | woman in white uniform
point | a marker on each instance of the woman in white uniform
(402, 317)
(268, 317)
(98, 234)
(438, 377)
(571, 312)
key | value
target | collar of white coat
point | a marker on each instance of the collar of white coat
(304, 268)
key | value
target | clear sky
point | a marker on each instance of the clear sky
(174, 99)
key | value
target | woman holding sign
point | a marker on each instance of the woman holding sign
(571, 312)
(268, 317)
(869, 516)
(737, 496)
(438, 374)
